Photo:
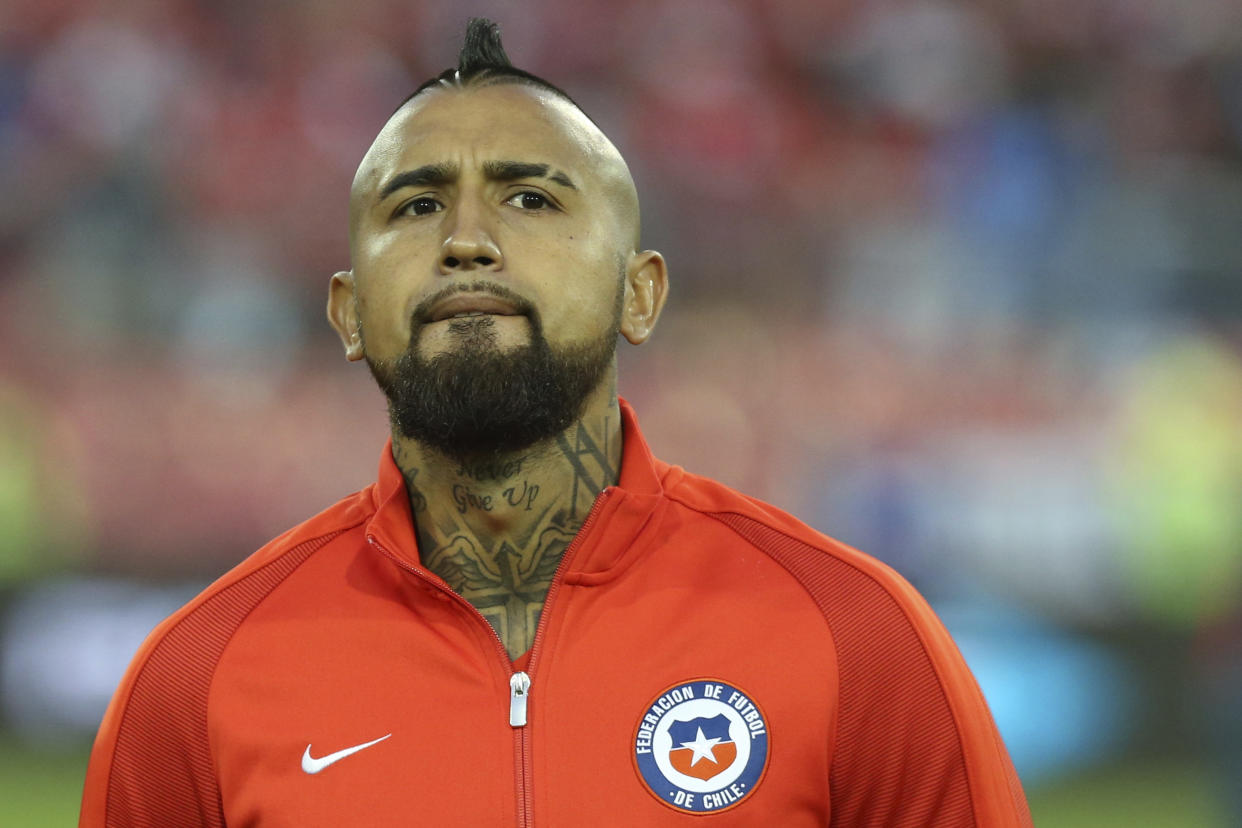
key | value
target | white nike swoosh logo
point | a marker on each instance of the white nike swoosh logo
(312, 765)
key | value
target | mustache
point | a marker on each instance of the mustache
(422, 313)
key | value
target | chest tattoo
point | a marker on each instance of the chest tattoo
(507, 583)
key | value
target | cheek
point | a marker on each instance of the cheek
(584, 302)
(392, 268)
(385, 325)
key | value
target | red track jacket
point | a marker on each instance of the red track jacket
(702, 659)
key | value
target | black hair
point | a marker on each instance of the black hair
(482, 62)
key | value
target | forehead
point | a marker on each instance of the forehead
(504, 121)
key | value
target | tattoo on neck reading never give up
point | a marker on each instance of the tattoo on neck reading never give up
(506, 578)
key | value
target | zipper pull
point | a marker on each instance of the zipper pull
(519, 690)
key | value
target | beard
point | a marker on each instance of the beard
(478, 399)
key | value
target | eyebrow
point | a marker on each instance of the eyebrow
(514, 170)
(428, 175)
(439, 174)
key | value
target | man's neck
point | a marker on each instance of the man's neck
(495, 529)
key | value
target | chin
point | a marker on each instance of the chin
(477, 334)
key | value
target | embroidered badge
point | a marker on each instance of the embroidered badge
(701, 746)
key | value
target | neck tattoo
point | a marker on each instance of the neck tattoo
(496, 529)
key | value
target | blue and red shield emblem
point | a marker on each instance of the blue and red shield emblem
(701, 746)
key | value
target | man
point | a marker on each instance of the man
(528, 619)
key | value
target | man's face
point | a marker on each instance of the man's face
(492, 229)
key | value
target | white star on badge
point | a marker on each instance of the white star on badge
(702, 747)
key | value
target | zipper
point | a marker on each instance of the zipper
(519, 690)
(526, 816)
(520, 681)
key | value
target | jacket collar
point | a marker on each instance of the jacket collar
(623, 525)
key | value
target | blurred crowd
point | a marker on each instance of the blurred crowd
(957, 281)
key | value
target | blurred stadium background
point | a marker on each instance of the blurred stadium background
(957, 281)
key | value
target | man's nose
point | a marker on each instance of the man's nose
(469, 245)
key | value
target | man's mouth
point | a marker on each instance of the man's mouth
(465, 305)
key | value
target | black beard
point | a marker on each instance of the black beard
(479, 400)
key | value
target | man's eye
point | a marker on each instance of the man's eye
(529, 200)
(421, 206)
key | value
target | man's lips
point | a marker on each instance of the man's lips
(469, 304)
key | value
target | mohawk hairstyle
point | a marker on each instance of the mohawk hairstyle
(483, 62)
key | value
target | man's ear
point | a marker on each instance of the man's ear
(343, 313)
(646, 287)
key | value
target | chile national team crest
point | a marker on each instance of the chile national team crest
(701, 746)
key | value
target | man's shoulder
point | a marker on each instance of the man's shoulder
(347, 513)
(805, 552)
(158, 718)
(714, 499)
(220, 607)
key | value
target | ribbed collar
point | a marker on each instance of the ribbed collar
(624, 524)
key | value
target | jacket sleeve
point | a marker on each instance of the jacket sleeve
(151, 764)
(914, 743)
